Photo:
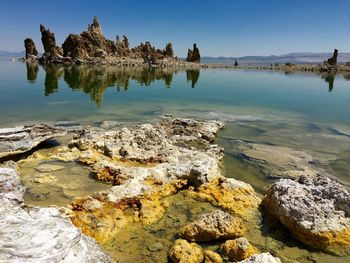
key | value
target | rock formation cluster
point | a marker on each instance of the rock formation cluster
(92, 47)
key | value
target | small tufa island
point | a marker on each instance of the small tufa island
(92, 47)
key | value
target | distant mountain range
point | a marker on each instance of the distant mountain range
(296, 58)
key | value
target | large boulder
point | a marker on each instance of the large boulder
(213, 226)
(38, 234)
(315, 209)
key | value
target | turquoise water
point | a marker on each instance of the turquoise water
(100, 93)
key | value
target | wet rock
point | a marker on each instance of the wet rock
(262, 258)
(145, 164)
(238, 249)
(213, 226)
(38, 234)
(24, 138)
(107, 125)
(44, 179)
(157, 246)
(212, 257)
(277, 161)
(193, 55)
(47, 168)
(316, 210)
(235, 196)
(185, 252)
(31, 52)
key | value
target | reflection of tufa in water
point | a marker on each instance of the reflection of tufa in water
(94, 80)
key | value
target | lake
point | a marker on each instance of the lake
(302, 111)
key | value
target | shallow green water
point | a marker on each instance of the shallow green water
(301, 111)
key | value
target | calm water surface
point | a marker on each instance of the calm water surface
(302, 111)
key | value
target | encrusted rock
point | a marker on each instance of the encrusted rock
(262, 258)
(316, 210)
(38, 234)
(213, 226)
(212, 257)
(144, 165)
(235, 196)
(333, 60)
(184, 252)
(24, 138)
(238, 249)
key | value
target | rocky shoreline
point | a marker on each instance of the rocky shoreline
(147, 164)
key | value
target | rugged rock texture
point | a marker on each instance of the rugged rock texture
(184, 252)
(333, 60)
(38, 234)
(213, 226)
(262, 258)
(31, 52)
(235, 196)
(144, 165)
(91, 47)
(212, 257)
(276, 161)
(52, 53)
(24, 138)
(316, 210)
(238, 249)
(193, 55)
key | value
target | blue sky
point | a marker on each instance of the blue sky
(219, 27)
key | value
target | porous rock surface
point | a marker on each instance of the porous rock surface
(24, 138)
(183, 251)
(213, 226)
(316, 210)
(144, 164)
(238, 249)
(38, 234)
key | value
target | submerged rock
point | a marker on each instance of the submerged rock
(212, 257)
(213, 226)
(277, 161)
(47, 167)
(316, 210)
(238, 249)
(38, 234)
(24, 138)
(184, 252)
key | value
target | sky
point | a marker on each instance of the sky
(219, 27)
